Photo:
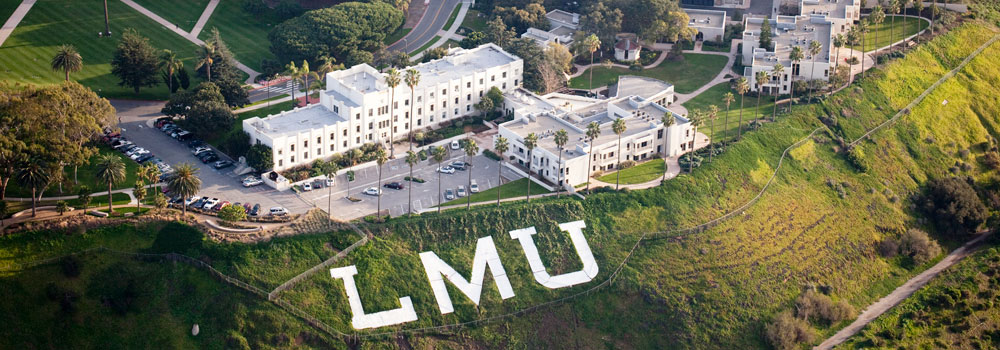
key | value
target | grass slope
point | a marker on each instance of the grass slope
(25, 56)
(513, 189)
(642, 173)
(245, 35)
(687, 75)
(727, 128)
(905, 26)
(183, 13)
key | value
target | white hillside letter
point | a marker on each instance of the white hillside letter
(438, 270)
(360, 319)
(575, 230)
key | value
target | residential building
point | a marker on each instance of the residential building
(562, 26)
(355, 107)
(710, 24)
(643, 139)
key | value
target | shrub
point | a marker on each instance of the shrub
(635, 67)
(991, 160)
(819, 307)
(491, 155)
(888, 248)
(626, 164)
(954, 204)
(787, 332)
(857, 158)
(918, 246)
(70, 266)
(233, 213)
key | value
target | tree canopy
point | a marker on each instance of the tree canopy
(135, 61)
(349, 32)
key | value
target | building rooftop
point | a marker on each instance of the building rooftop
(632, 85)
(706, 18)
(790, 31)
(557, 17)
(626, 44)
(829, 8)
(297, 120)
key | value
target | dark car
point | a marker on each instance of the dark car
(460, 165)
(247, 207)
(222, 164)
(127, 148)
(144, 158)
(195, 143)
(210, 158)
(201, 156)
(394, 185)
(199, 203)
(256, 210)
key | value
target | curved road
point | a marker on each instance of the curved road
(433, 21)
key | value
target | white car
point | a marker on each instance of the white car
(372, 191)
(449, 194)
(446, 170)
(307, 187)
(455, 145)
(210, 203)
(329, 182)
(474, 187)
(135, 150)
(461, 191)
(279, 211)
(190, 200)
(251, 182)
(200, 149)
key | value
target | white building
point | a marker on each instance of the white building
(627, 50)
(355, 108)
(710, 24)
(562, 26)
(545, 115)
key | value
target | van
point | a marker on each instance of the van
(473, 186)
(279, 211)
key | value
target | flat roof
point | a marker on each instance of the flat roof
(829, 8)
(706, 18)
(633, 85)
(297, 120)
(563, 16)
(792, 31)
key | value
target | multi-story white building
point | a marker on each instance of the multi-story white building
(355, 108)
(562, 26)
(644, 136)
(710, 24)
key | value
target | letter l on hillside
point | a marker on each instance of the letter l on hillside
(360, 319)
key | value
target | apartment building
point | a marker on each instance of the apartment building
(355, 107)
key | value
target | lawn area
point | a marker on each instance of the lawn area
(183, 13)
(642, 173)
(905, 26)
(474, 21)
(724, 130)
(7, 8)
(25, 56)
(128, 209)
(395, 36)
(86, 176)
(426, 46)
(96, 200)
(509, 190)
(451, 19)
(245, 34)
(687, 75)
(451, 44)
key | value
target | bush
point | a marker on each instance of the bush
(888, 248)
(635, 67)
(787, 332)
(233, 213)
(918, 246)
(818, 307)
(626, 164)
(954, 205)
(414, 179)
(491, 155)
(991, 160)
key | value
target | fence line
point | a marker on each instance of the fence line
(273, 295)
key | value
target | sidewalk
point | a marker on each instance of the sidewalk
(15, 19)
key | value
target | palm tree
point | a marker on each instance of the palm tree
(863, 28)
(877, 17)
(83, 196)
(696, 120)
(380, 159)
(918, 6)
(411, 160)
(761, 77)
(294, 72)
(500, 145)
(107, 23)
(713, 112)
(392, 79)
(439, 154)
(618, 127)
(593, 131)
(184, 182)
(851, 41)
(412, 79)
(838, 42)
(110, 170)
(728, 98)
(330, 170)
(893, 8)
(149, 173)
(353, 156)
(305, 75)
(591, 43)
(742, 86)
(171, 64)
(139, 191)
(777, 71)
(34, 175)
(327, 65)
(530, 142)
(471, 149)
(561, 138)
(796, 56)
(206, 53)
(668, 121)
(67, 59)
(814, 48)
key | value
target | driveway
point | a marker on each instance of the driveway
(136, 122)
(433, 21)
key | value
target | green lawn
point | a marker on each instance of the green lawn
(722, 129)
(687, 75)
(511, 189)
(128, 209)
(474, 22)
(7, 8)
(426, 46)
(395, 36)
(86, 176)
(905, 26)
(451, 19)
(245, 35)
(96, 200)
(642, 173)
(183, 13)
(25, 56)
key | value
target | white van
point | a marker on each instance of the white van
(279, 211)
(473, 186)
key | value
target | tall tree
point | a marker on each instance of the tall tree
(107, 22)
(353, 156)
(668, 121)
(838, 42)
(696, 120)
(134, 61)
(796, 56)
(392, 79)
(34, 175)
(591, 44)
(852, 40)
(411, 159)
(765, 34)
(330, 170)
(603, 21)
(713, 112)
(593, 131)
(170, 64)
(561, 138)
(863, 28)
(206, 57)
(618, 127)
(728, 99)
(67, 59)
(497, 32)
(139, 191)
(148, 173)
(184, 182)
(893, 9)
(439, 154)
(742, 86)
(380, 159)
(306, 74)
(530, 141)
(500, 145)
(471, 149)
(295, 73)
(877, 17)
(412, 80)
(110, 170)
(3, 211)
(814, 49)
(83, 197)
(777, 71)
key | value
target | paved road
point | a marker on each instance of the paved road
(434, 19)
(879, 307)
(277, 89)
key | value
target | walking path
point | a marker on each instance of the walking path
(904, 291)
(193, 35)
(15, 19)
(450, 34)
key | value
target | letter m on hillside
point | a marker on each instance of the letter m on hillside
(486, 255)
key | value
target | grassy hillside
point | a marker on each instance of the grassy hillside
(818, 224)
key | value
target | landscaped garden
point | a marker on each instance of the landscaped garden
(474, 21)
(25, 56)
(904, 27)
(686, 75)
(642, 173)
(726, 128)
(184, 13)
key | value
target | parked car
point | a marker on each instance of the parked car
(134, 150)
(210, 158)
(222, 164)
(449, 194)
(251, 182)
(199, 203)
(145, 158)
(256, 210)
(210, 203)
(198, 150)
(307, 187)
(201, 156)
(446, 170)
(394, 185)
(195, 143)
(372, 191)
(247, 206)
(474, 187)
(460, 165)
(278, 211)
(461, 191)
(121, 144)
(329, 182)
(191, 200)
(221, 205)
(455, 145)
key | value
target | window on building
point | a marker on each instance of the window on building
(406, 102)
(419, 122)
(493, 78)
(371, 112)
(444, 91)
(293, 148)
(281, 162)
(319, 139)
(279, 151)
(357, 140)
(293, 159)
(345, 132)
(431, 119)
(480, 93)
(419, 98)
(305, 144)
(305, 155)
(444, 104)
(331, 147)
(371, 125)
(336, 109)
(504, 86)
(395, 105)
(420, 111)
(515, 82)
(503, 75)
(432, 108)
(357, 128)
(468, 97)
(319, 151)
(659, 134)
(456, 100)
(444, 115)
(345, 143)
(468, 108)
(456, 111)
(357, 116)
(480, 81)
